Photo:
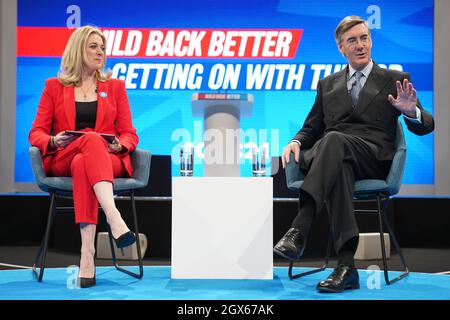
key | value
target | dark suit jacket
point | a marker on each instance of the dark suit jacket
(56, 113)
(374, 119)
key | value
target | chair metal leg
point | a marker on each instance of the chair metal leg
(383, 218)
(325, 265)
(138, 245)
(42, 252)
(138, 242)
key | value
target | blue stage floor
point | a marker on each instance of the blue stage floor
(156, 284)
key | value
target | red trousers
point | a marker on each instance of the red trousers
(88, 161)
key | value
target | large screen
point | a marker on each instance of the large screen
(275, 51)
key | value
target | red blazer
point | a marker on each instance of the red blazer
(56, 112)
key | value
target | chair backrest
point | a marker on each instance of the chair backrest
(395, 176)
(294, 177)
(38, 168)
(391, 186)
(140, 160)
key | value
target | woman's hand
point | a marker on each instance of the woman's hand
(115, 146)
(61, 140)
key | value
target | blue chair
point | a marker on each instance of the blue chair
(379, 191)
(62, 187)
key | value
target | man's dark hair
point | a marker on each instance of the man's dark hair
(347, 23)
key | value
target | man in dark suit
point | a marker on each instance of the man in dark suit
(348, 135)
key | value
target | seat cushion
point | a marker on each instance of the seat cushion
(63, 185)
(361, 186)
(370, 185)
(56, 183)
(121, 184)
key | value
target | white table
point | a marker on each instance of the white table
(222, 228)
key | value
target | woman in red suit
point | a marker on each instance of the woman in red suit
(83, 98)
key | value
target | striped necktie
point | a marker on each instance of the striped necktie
(356, 87)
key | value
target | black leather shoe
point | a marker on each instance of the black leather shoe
(291, 246)
(125, 240)
(343, 277)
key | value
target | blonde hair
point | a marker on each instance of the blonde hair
(347, 23)
(73, 57)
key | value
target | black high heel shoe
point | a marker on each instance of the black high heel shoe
(86, 282)
(125, 240)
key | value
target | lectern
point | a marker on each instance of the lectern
(221, 114)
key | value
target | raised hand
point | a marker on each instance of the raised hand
(406, 100)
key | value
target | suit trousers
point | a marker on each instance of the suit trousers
(88, 161)
(331, 167)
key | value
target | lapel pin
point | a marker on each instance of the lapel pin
(103, 94)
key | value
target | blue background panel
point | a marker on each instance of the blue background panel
(400, 37)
